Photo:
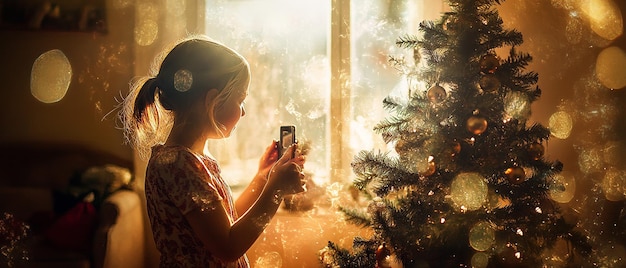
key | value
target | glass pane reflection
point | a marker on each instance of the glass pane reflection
(285, 42)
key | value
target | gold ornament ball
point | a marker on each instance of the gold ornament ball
(476, 124)
(515, 175)
(489, 63)
(489, 83)
(436, 94)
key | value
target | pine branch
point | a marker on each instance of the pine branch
(407, 41)
(386, 172)
(356, 217)
(391, 104)
(343, 258)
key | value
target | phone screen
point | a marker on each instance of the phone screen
(287, 138)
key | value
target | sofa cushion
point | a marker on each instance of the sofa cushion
(74, 229)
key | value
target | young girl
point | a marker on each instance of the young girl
(198, 93)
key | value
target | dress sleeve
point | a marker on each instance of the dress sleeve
(189, 184)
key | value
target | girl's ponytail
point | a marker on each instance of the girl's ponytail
(140, 116)
(145, 98)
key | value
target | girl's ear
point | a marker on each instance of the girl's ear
(211, 94)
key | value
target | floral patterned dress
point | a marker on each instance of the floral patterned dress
(177, 182)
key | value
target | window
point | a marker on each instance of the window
(319, 65)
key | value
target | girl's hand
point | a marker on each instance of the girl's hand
(286, 175)
(269, 157)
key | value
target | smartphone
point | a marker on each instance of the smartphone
(287, 137)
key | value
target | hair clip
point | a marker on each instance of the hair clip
(183, 79)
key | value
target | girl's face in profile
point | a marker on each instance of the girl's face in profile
(229, 113)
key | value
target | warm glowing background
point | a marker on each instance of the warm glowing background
(62, 85)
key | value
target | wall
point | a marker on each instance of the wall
(101, 66)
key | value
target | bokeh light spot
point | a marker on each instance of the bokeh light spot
(480, 260)
(613, 152)
(563, 187)
(175, 7)
(612, 255)
(482, 236)
(591, 160)
(146, 32)
(604, 17)
(120, 4)
(574, 30)
(611, 67)
(269, 260)
(50, 76)
(613, 184)
(560, 124)
(469, 190)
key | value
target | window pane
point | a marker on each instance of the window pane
(285, 42)
(375, 26)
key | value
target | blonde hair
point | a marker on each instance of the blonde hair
(179, 77)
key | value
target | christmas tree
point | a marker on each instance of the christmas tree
(467, 183)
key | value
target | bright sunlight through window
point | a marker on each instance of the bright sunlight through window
(289, 45)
